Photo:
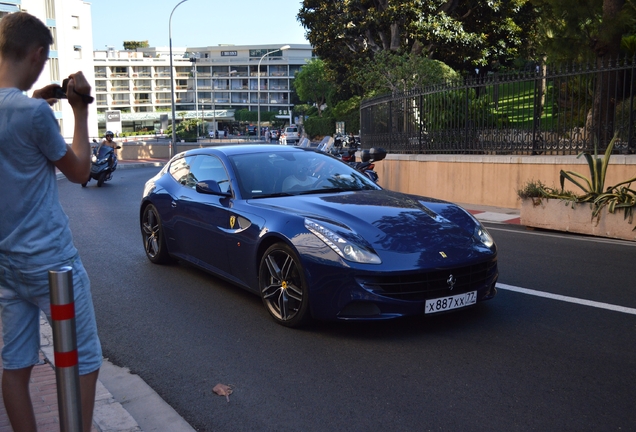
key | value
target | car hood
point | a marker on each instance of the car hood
(390, 222)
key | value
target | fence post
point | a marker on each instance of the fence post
(65, 349)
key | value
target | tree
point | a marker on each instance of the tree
(132, 45)
(461, 34)
(591, 30)
(312, 85)
(389, 73)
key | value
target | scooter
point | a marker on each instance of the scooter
(366, 166)
(103, 164)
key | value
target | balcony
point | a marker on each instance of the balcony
(142, 88)
(142, 101)
(163, 101)
(101, 89)
(120, 89)
(121, 102)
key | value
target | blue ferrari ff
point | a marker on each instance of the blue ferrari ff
(313, 237)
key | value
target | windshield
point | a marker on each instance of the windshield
(284, 173)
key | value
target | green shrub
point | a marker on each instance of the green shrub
(320, 126)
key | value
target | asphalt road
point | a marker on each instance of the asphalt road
(519, 362)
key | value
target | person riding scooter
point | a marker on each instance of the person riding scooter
(108, 141)
(103, 160)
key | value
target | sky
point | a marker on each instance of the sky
(196, 22)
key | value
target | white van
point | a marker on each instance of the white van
(289, 135)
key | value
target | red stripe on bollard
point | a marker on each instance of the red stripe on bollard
(63, 312)
(65, 359)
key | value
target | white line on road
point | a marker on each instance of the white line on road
(569, 236)
(595, 304)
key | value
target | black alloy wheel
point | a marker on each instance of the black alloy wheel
(153, 237)
(283, 287)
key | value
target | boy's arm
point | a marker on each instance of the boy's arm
(75, 164)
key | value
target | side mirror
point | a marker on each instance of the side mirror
(118, 147)
(210, 187)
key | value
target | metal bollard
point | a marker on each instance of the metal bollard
(65, 349)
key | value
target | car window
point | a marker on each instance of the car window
(180, 171)
(210, 167)
(272, 173)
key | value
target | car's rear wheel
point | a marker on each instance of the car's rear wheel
(153, 237)
(283, 287)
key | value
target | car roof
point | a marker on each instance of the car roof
(231, 150)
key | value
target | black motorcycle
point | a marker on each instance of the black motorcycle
(103, 164)
(366, 166)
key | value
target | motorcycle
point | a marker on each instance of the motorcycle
(103, 164)
(366, 166)
(334, 146)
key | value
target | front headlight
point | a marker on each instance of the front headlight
(93, 158)
(482, 235)
(345, 248)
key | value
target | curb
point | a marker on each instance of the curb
(108, 414)
(134, 401)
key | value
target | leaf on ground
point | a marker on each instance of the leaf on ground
(223, 390)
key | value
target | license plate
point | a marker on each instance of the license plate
(451, 302)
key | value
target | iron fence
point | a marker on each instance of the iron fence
(549, 110)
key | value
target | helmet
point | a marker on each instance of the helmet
(109, 133)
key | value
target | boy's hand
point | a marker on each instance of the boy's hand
(78, 91)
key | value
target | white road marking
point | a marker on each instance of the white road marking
(591, 303)
(569, 236)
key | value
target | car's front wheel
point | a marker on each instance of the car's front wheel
(153, 237)
(283, 287)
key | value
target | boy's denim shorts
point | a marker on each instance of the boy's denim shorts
(24, 292)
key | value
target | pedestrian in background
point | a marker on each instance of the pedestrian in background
(34, 230)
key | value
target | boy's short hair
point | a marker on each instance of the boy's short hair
(21, 31)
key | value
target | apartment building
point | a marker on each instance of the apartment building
(71, 26)
(210, 83)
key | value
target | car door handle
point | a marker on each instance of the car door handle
(174, 204)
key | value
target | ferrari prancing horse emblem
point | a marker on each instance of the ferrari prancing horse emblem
(232, 221)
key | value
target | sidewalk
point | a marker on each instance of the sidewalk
(135, 407)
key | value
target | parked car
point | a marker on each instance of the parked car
(290, 135)
(251, 130)
(313, 237)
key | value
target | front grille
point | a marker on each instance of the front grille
(431, 284)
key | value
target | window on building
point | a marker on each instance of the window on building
(54, 69)
(50, 9)
(53, 31)
(75, 22)
(77, 52)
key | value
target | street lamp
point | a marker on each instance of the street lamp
(258, 85)
(174, 126)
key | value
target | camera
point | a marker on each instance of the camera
(60, 92)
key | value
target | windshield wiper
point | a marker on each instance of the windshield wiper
(273, 195)
(325, 190)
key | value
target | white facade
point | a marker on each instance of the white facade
(71, 26)
(138, 83)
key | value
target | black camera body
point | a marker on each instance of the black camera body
(60, 92)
